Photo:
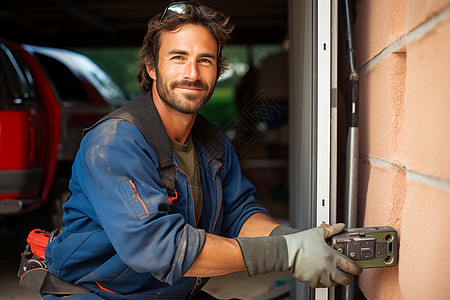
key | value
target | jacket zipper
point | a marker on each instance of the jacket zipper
(220, 203)
(192, 197)
(198, 282)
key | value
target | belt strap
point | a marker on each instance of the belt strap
(43, 281)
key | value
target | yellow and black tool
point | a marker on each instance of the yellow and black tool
(369, 247)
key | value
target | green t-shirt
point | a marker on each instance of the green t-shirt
(187, 156)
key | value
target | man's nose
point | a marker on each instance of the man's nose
(191, 70)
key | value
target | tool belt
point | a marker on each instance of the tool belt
(33, 272)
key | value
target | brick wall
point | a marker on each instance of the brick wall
(403, 53)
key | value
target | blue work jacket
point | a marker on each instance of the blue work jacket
(124, 238)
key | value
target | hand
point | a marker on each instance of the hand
(313, 261)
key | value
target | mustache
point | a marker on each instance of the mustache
(187, 83)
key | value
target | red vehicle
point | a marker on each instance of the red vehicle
(47, 97)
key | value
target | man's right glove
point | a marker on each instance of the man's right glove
(305, 254)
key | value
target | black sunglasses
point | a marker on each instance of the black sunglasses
(186, 7)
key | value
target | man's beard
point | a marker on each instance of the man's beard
(166, 93)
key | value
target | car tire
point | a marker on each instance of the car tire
(48, 217)
(54, 207)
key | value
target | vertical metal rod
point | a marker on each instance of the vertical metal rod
(351, 184)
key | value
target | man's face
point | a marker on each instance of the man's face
(186, 70)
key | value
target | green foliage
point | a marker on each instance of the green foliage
(221, 109)
(121, 63)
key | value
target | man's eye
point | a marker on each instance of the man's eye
(205, 61)
(177, 58)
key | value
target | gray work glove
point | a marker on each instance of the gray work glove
(283, 230)
(305, 254)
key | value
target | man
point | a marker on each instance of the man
(139, 227)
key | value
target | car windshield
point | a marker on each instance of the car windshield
(80, 64)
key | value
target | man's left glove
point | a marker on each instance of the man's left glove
(305, 254)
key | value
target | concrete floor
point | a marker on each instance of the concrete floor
(237, 285)
(240, 286)
(9, 261)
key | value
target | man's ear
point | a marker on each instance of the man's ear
(151, 71)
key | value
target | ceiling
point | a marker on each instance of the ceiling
(66, 23)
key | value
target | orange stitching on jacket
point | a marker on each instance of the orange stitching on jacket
(171, 199)
(142, 202)
(105, 289)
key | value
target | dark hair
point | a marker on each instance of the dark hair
(217, 23)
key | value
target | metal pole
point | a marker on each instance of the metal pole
(351, 184)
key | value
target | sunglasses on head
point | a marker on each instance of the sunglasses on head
(185, 7)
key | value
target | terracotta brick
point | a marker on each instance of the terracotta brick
(381, 193)
(380, 283)
(418, 11)
(427, 109)
(382, 109)
(424, 259)
(377, 24)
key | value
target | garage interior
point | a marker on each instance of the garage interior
(119, 24)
